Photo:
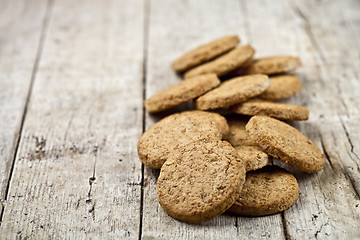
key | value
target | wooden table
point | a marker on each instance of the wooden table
(73, 77)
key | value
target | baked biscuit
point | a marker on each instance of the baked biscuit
(205, 53)
(233, 91)
(281, 87)
(269, 65)
(266, 191)
(286, 143)
(283, 111)
(253, 157)
(200, 181)
(181, 92)
(225, 63)
(237, 134)
(165, 136)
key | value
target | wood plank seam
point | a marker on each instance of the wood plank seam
(344, 168)
(349, 139)
(145, 54)
(346, 171)
(327, 156)
(286, 234)
(44, 30)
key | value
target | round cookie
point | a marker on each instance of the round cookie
(237, 134)
(269, 65)
(225, 63)
(253, 157)
(283, 111)
(200, 181)
(286, 143)
(266, 191)
(233, 91)
(164, 137)
(205, 53)
(181, 92)
(281, 87)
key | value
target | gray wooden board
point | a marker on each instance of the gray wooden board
(20, 28)
(76, 172)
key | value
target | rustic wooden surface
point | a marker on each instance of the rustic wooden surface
(73, 75)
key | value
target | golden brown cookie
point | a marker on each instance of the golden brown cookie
(205, 53)
(201, 181)
(283, 111)
(253, 157)
(286, 143)
(181, 92)
(164, 137)
(266, 191)
(225, 63)
(281, 87)
(269, 65)
(233, 91)
(237, 134)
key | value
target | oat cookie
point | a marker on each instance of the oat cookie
(233, 91)
(253, 157)
(266, 191)
(281, 87)
(181, 92)
(237, 134)
(164, 137)
(283, 111)
(201, 181)
(286, 143)
(269, 65)
(205, 53)
(225, 63)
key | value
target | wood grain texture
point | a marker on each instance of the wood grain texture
(189, 24)
(21, 29)
(76, 173)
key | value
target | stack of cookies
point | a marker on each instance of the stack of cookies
(211, 164)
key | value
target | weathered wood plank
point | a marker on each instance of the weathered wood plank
(328, 202)
(336, 40)
(76, 173)
(20, 31)
(175, 27)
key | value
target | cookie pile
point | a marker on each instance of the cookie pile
(211, 164)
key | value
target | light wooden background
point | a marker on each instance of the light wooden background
(73, 76)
